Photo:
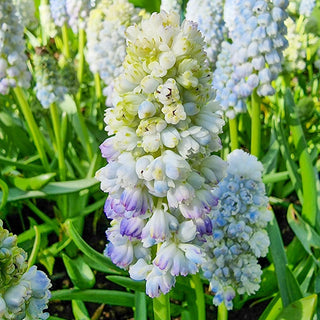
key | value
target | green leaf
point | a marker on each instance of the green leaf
(293, 286)
(55, 318)
(79, 272)
(279, 259)
(94, 258)
(273, 309)
(52, 189)
(30, 234)
(128, 283)
(308, 176)
(68, 105)
(113, 297)
(308, 237)
(34, 183)
(5, 193)
(79, 310)
(290, 164)
(302, 309)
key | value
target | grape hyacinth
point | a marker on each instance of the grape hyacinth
(209, 16)
(160, 169)
(306, 7)
(78, 13)
(59, 12)
(257, 31)
(106, 39)
(72, 12)
(295, 55)
(49, 87)
(24, 294)
(26, 12)
(13, 67)
(239, 236)
(224, 83)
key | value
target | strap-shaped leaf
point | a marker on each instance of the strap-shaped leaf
(113, 297)
(308, 237)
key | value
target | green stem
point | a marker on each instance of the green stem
(161, 307)
(81, 45)
(36, 247)
(85, 133)
(65, 39)
(140, 311)
(57, 133)
(233, 127)
(97, 82)
(196, 284)
(255, 125)
(34, 130)
(222, 312)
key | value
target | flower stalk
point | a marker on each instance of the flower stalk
(34, 130)
(233, 128)
(255, 124)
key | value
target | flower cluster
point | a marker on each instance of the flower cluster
(26, 12)
(224, 83)
(160, 169)
(257, 31)
(49, 87)
(239, 236)
(23, 294)
(72, 12)
(13, 67)
(306, 7)
(106, 42)
(59, 12)
(295, 55)
(209, 16)
(78, 13)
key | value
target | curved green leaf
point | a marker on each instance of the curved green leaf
(308, 237)
(34, 183)
(301, 309)
(128, 283)
(79, 310)
(113, 297)
(79, 272)
(5, 193)
(51, 189)
(95, 259)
